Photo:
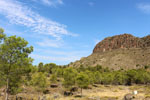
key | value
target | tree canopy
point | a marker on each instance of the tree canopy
(14, 60)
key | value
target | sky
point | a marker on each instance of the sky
(63, 31)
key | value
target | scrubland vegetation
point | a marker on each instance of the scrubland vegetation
(17, 73)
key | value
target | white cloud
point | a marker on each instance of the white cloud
(52, 2)
(62, 53)
(50, 43)
(64, 57)
(145, 7)
(53, 59)
(19, 14)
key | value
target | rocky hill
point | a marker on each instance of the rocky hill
(121, 51)
(122, 41)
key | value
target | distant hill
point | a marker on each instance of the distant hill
(123, 51)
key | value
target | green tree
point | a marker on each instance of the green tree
(59, 72)
(91, 76)
(119, 78)
(14, 61)
(143, 77)
(82, 81)
(2, 78)
(39, 81)
(53, 78)
(131, 76)
(69, 77)
(98, 68)
(52, 67)
(2, 35)
(108, 78)
(41, 67)
(98, 77)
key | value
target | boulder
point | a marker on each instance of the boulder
(53, 85)
(129, 97)
(46, 92)
(68, 93)
(20, 98)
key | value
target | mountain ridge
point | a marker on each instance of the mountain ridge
(122, 41)
(123, 51)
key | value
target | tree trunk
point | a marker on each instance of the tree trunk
(7, 91)
(81, 91)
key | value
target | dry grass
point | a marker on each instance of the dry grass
(104, 92)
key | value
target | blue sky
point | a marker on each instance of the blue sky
(63, 31)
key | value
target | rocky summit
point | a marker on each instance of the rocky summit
(124, 41)
(123, 51)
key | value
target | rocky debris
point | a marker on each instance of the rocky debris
(56, 96)
(20, 98)
(74, 89)
(129, 97)
(68, 93)
(53, 85)
(46, 92)
(123, 41)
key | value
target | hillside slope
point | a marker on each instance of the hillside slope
(117, 52)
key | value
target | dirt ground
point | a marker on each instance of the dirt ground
(108, 92)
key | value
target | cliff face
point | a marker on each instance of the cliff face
(119, 52)
(122, 41)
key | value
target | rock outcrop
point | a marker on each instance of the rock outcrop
(123, 41)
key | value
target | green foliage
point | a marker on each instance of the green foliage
(81, 68)
(108, 78)
(119, 78)
(15, 84)
(142, 77)
(131, 76)
(39, 81)
(91, 76)
(53, 78)
(14, 61)
(98, 77)
(1, 31)
(2, 35)
(82, 80)
(69, 77)
(146, 67)
(41, 67)
(53, 68)
(50, 68)
(59, 72)
(16, 69)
